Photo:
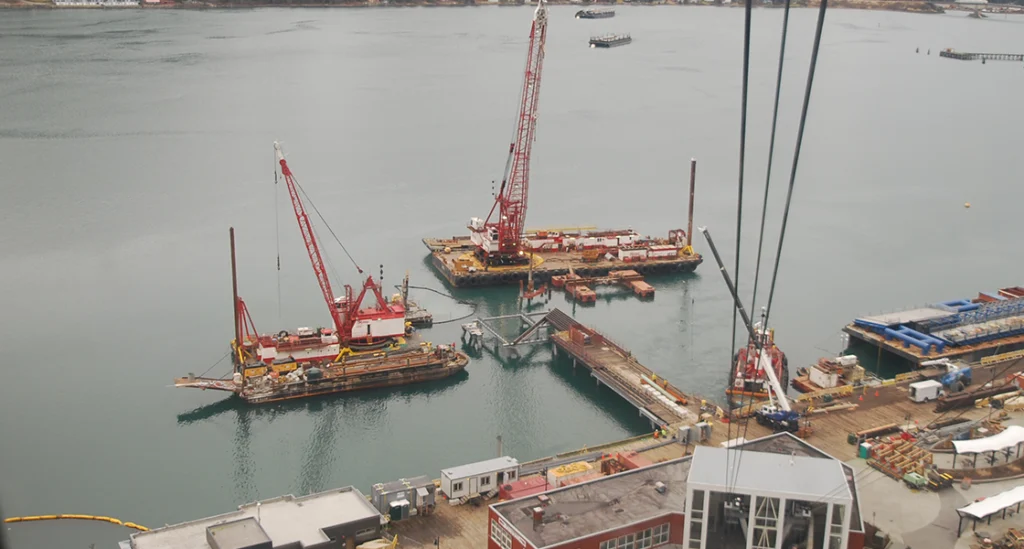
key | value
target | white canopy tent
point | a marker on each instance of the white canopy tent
(1008, 438)
(990, 506)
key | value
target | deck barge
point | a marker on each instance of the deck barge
(966, 329)
(455, 260)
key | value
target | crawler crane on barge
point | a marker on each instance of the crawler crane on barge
(367, 347)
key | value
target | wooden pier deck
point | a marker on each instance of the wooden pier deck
(465, 526)
(617, 369)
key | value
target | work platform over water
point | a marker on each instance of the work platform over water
(455, 260)
(968, 330)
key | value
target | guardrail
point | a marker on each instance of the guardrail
(842, 390)
(1005, 357)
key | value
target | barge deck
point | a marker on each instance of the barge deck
(456, 261)
(967, 330)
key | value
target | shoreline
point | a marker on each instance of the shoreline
(908, 6)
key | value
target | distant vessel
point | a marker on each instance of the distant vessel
(748, 376)
(595, 14)
(610, 40)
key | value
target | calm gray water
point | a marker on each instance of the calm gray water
(131, 141)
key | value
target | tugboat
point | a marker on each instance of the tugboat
(610, 40)
(595, 14)
(749, 378)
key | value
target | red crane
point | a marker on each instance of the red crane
(381, 322)
(500, 241)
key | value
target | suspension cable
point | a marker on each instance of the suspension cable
(277, 234)
(748, 8)
(771, 154)
(792, 180)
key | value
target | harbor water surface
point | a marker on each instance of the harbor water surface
(132, 140)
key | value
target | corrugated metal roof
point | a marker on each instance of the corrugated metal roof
(807, 478)
(902, 317)
(480, 468)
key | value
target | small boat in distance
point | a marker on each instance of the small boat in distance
(610, 40)
(595, 14)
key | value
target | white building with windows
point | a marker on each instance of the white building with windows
(762, 499)
(782, 493)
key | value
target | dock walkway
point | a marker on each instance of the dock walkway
(616, 368)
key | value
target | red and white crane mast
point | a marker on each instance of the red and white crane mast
(500, 241)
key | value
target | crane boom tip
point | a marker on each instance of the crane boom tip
(278, 151)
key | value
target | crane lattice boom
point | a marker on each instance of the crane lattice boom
(512, 196)
(306, 228)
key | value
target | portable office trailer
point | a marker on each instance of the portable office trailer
(478, 478)
(404, 497)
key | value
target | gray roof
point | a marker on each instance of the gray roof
(601, 504)
(481, 468)
(284, 519)
(786, 443)
(791, 476)
(903, 317)
(402, 485)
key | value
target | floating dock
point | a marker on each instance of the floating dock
(579, 288)
(964, 329)
(965, 56)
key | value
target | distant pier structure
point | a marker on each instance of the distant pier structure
(965, 56)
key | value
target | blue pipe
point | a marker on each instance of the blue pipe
(908, 340)
(939, 344)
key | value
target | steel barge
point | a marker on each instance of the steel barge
(500, 250)
(964, 329)
(610, 40)
(365, 347)
(595, 14)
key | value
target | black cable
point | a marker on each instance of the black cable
(748, 8)
(796, 152)
(771, 153)
(315, 209)
(792, 176)
(472, 304)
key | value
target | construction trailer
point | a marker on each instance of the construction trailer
(466, 482)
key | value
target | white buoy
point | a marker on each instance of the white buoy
(967, 204)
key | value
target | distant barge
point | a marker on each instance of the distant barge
(311, 362)
(610, 40)
(595, 14)
(456, 258)
(964, 329)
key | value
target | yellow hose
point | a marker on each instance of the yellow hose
(111, 520)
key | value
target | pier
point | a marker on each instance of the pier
(965, 56)
(616, 368)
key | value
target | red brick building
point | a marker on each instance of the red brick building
(645, 508)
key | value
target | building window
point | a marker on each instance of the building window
(500, 535)
(367, 534)
(511, 475)
(643, 539)
(766, 521)
(610, 544)
(835, 534)
(660, 534)
(627, 541)
(485, 481)
(456, 487)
